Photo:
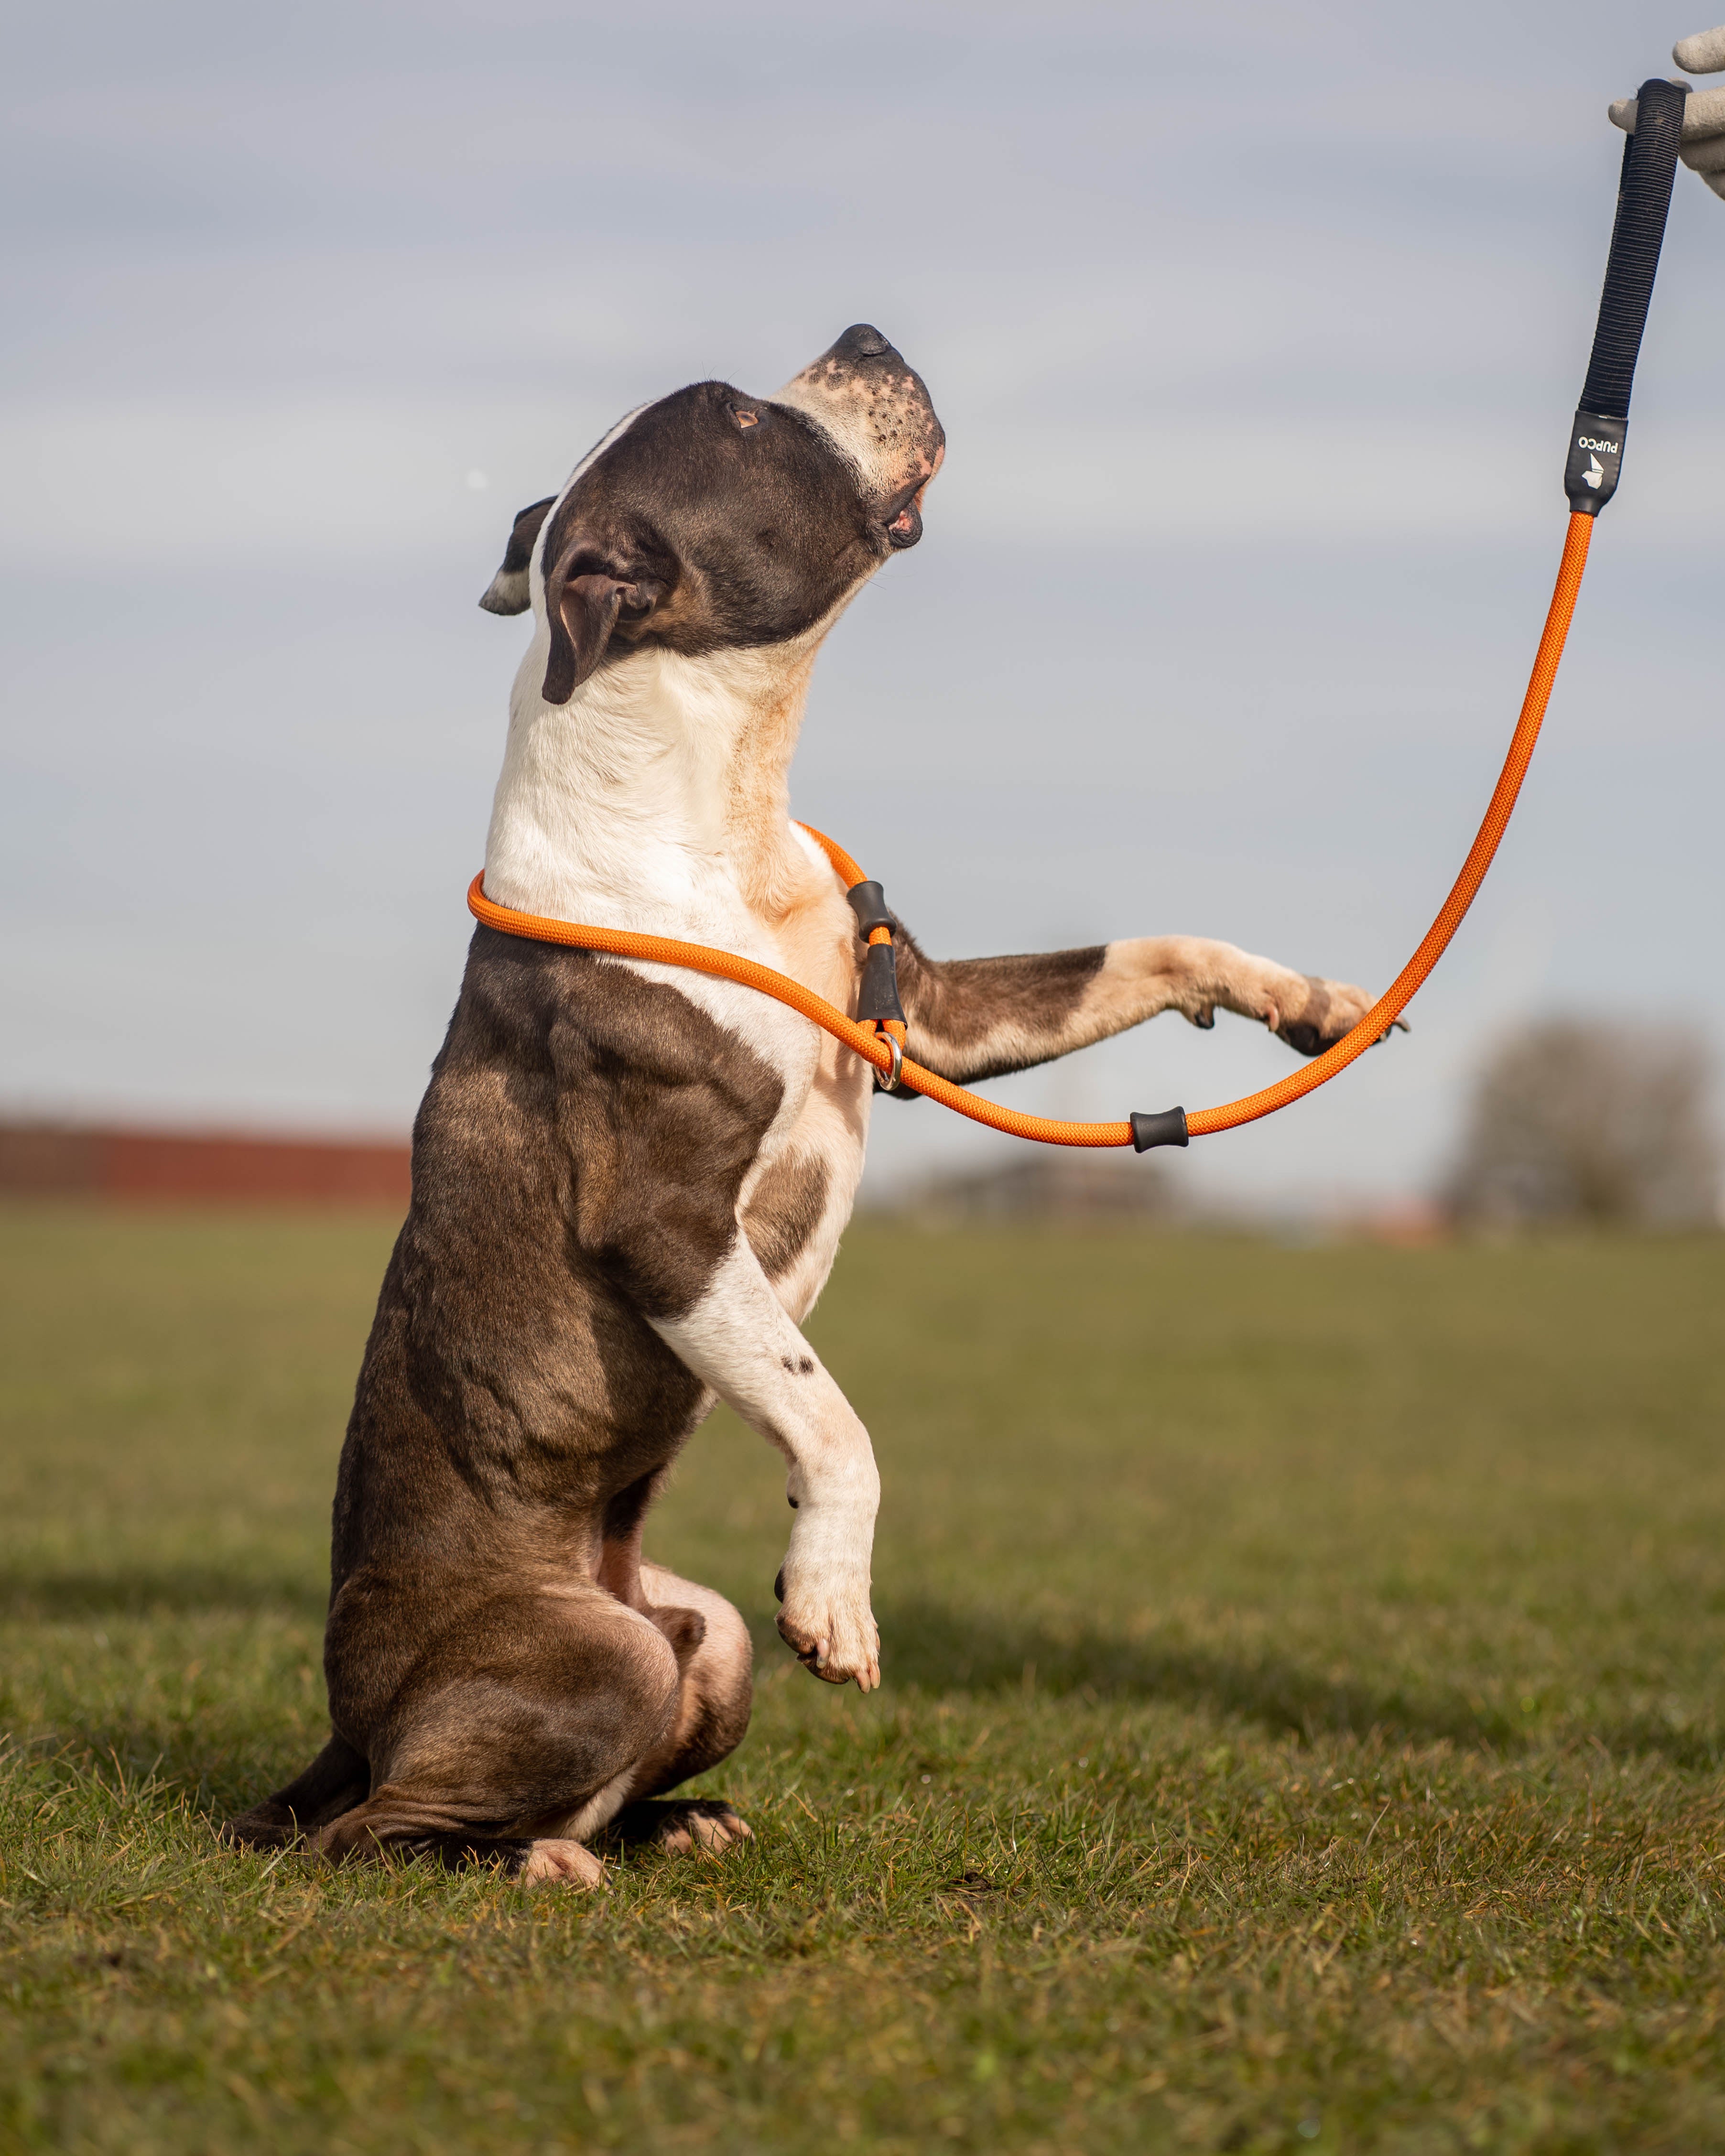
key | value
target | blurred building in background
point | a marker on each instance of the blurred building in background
(1050, 1183)
(68, 1160)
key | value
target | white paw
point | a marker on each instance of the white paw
(831, 1631)
(562, 1864)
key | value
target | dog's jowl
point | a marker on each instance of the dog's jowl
(629, 1181)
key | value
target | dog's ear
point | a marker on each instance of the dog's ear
(508, 592)
(586, 593)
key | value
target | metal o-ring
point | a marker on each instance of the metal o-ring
(885, 1082)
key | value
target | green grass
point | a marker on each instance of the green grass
(1301, 1730)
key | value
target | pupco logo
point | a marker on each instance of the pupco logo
(1587, 442)
(1595, 474)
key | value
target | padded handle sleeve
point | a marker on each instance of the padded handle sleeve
(1650, 164)
(1644, 198)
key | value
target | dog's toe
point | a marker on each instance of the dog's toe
(562, 1864)
(715, 1829)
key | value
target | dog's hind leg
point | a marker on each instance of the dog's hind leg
(712, 1718)
(517, 1733)
(336, 1781)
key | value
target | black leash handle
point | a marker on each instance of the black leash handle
(1644, 199)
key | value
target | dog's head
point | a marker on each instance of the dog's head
(713, 520)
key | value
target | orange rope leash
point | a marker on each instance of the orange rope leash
(700, 959)
(875, 1049)
(1389, 1006)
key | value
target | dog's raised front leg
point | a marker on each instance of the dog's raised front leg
(739, 1339)
(978, 1018)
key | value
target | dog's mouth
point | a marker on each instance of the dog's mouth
(903, 524)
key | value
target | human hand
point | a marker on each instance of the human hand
(1703, 148)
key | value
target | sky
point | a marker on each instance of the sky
(1255, 338)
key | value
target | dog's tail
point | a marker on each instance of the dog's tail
(337, 1779)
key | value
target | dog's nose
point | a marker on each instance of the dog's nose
(861, 341)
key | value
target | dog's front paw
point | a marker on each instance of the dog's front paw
(830, 1628)
(1312, 1014)
(687, 1826)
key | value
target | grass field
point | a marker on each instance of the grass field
(1302, 1725)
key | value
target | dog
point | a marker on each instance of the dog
(629, 1181)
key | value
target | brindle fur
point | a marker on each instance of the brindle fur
(577, 1165)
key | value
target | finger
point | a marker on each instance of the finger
(1703, 116)
(1707, 158)
(1704, 53)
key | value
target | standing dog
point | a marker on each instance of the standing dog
(629, 1181)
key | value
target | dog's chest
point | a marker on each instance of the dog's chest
(799, 1190)
(797, 1201)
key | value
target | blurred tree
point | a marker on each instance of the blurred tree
(1576, 1119)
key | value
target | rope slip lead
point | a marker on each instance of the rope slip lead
(1595, 460)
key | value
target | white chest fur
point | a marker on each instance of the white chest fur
(657, 801)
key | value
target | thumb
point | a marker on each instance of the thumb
(1704, 53)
